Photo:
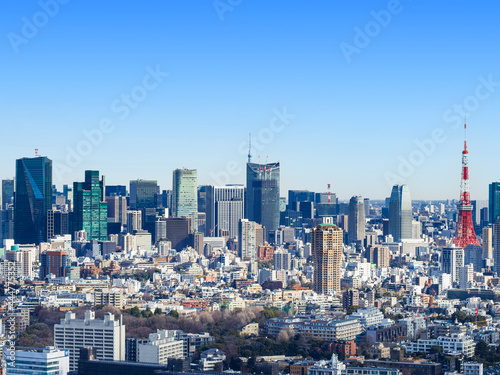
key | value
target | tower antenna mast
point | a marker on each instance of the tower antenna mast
(250, 147)
(465, 234)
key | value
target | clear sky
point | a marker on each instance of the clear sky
(339, 92)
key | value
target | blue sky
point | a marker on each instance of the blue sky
(234, 68)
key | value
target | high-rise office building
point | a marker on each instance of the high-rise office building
(356, 222)
(143, 194)
(115, 190)
(327, 248)
(7, 193)
(400, 213)
(487, 243)
(452, 258)
(106, 336)
(300, 196)
(117, 209)
(247, 239)
(367, 207)
(494, 202)
(496, 245)
(185, 195)
(178, 230)
(144, 197)
(33, 198)
(477, 206)
(224, 209)
(55, 262)
(32, 361)
(263, 195)
(134, 221)
(90, 210)
(57, 223)
(6, 224)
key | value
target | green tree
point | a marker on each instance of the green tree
(135, 312)
(173, 313)
(460, 316)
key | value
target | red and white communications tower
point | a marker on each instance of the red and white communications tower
(465, 234)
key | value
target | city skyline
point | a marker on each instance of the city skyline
(67, 79)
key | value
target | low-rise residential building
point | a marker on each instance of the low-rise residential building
(457, 343)
(325, 329)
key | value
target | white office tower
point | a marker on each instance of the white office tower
(28, 361)
(445, 281)
(106, 336)
(161, 346)
(466, 276)
(134, 221)
(452, 258)
(225, 207)
(247, 241)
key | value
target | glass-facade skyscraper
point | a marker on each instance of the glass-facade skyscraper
(356, 220)
(33, 198)
(400, 213)
(144, 198)
(494, 202)
(185, 195)
(263, 195)
(90, 211)
(7, 192)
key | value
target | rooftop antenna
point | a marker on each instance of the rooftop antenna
(249, 147)
(36, 152)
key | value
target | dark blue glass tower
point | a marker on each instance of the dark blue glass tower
(263, 194)
(33, 198)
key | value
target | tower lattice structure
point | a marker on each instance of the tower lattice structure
(465, 234)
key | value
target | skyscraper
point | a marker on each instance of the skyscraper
(327, 248)
(356, 222)
(144, 197)
(263, 195)
(247, 239)
(487, 243)
(33, 197)
(452, 258)
(90, 211)
(400, 213)
(494, 202)
(496, 245)
(224, 208)
(7, 192)
(117, 209)
(185, 195)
